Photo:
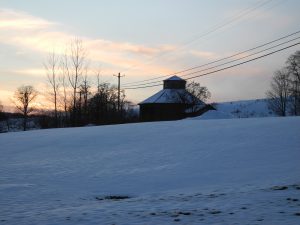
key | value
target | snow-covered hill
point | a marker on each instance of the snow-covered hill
(246, 108)
(238, 109)
(244, 171)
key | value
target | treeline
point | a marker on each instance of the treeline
(284, 94)
(92, 108)
(98, 107)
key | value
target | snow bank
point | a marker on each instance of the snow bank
(212, 114)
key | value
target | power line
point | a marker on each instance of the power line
(215, 28)
(222, 63)
(219, 60)
(216, 61)
(155, 85)
(250, 60)
(228, 67)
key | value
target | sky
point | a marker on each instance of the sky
(145, 39)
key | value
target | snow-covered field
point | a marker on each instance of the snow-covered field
(230, 171)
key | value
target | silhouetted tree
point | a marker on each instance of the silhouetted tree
(84, 93)
(194, 93)
(200, 92)
(1, 112)
(103, 105)
(4, 120)
(52, 68)
(65, 74)
(278, 95)
(23, 100)
(76, 66)
(293, 67)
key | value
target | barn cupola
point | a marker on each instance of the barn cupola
(174, 82)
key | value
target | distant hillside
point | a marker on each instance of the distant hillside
(238, 109)
(246, 108)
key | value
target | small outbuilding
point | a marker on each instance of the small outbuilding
(174, 102)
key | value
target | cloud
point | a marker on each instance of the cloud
(35, 72)
(204, 54)
(24, 31)
(15, 20)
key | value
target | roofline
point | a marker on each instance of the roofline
(174, 103)
(175, 76)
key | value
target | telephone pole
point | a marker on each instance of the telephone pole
(119, 88)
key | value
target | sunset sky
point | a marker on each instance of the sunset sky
(145, 39)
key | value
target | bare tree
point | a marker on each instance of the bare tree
(82, 103)
(278, 95)
(77, 65)
(64, 64)
(293, 67)
(200, 92)
(194, 96)
(23, 99)
(98, 74)
(52, 68)
(1, 108)
(2, 118)
(197, 95)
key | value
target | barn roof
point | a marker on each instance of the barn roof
(167, 96)
(174, 78)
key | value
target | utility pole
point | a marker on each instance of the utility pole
(119, 88)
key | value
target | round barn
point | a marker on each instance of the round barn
(172, 103)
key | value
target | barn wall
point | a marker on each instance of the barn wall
(174, 84)
(157, 112)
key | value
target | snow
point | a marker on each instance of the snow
(212, 114)
(238, 109)
(179, 172)
(246, 108)
(171, 96)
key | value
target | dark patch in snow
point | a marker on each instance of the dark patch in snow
(296, 186)
(184, 213)
(279, 188)
(297, 214)
(117, 197)
(215, 212)
(213, 196)
(112, 197)
(99, 198)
